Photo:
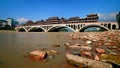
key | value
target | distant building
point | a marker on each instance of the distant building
(40, 22)
(118, 19)
(92, 18)
(53, 20)
(62, 20)
(3, 23)
(118, 16)
(73, 20)
(15, 23)
(89, 18)
(11, 22)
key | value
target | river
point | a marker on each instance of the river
(14, 45)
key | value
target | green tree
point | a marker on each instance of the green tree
(7, 26)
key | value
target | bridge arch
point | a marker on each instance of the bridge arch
(113, 26)
(22, 29)
(57, 28)
(109, 26)
(92, 25)
(36, 29)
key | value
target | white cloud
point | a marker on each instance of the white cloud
(22, 20)
(107, 17)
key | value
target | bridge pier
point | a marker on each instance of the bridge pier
(77, 30)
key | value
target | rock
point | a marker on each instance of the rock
(110, 47)
(99, 50)
(76, 44)
(67, 44)
(118, 49)
(88, 42)
(85, 47)
(88, 63)
(37, 55)
(70, 36)
(74, 36)
(73, 47)
(114, 47)
(95, 39)
(96, 58)
(50, 56)
(52, 52)
(99, 44)
(107, 44)
(114, 64)
(111, 57)
(110, 52)
(85, 53)
(55, 45)
(113, 43)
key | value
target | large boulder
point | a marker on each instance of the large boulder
(111, 58)
(89, 63)
(37, 55)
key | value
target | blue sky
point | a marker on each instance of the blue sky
(42, 9)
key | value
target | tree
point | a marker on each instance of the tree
(7, 26)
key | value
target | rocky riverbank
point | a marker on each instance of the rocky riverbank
(102, 49)
(99, 46)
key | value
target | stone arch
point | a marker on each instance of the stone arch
(92, 25)
(113, 26)
(105, 25)
(36, 29)
(51, 29)
(109, 26)
(22, 29)
(102, 24)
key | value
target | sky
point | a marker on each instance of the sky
(24, 10)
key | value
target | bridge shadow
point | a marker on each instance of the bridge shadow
(36, 30)
(60, 29)
(21, 30)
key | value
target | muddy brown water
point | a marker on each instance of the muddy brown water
(14, 45)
